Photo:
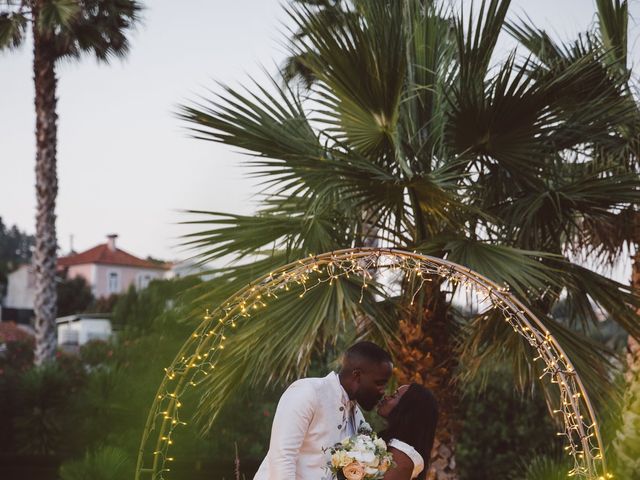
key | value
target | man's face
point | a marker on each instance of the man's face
(371, 381)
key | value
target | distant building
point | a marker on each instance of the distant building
(76, 330)
(107, 269)
(21, 293)
(185, 268)
(110, 270)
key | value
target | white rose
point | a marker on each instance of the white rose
(340, 459)
(380, 444)
(363, 457)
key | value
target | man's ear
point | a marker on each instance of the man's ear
(356, 373)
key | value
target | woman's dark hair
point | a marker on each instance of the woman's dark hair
(413, 421)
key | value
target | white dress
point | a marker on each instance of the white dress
(416, 458)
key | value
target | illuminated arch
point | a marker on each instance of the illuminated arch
(200, 352)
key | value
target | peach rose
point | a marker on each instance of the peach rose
(384, 465)
(353, 471)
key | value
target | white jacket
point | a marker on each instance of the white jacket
(311, 415)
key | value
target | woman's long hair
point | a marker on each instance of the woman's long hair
(413, 421)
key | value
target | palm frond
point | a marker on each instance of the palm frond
(589, 294)
(271, 125)
(303, 324)
(613, 20)
(99, 27)
(13, 27)
(431, 62)
(523, 270)
(360, 69)
(550, 216)
(537, 41)
(477, 40)
(488, 341)
(57, 14)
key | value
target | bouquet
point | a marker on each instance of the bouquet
(363, 456)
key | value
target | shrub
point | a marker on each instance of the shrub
(104, 463)
(74, 295)
(502, 428)
(73, 369)
(40, 403)
(626, 444)
(544, 468)
(17, 355)
(95, 353)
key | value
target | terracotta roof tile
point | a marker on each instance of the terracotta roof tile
(104, 255)
(10, 332)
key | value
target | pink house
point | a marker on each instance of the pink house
(110, 270)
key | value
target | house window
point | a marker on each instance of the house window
(114, 282)
(143, 280)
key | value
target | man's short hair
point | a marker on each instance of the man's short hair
(367, 351)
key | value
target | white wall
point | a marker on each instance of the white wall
(82, 331)
(21, 288)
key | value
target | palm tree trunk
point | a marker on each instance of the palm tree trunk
(46, 191)
(427, 355)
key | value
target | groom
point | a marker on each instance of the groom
(316, 413)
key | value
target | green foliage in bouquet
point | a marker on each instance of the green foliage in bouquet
(362, 455)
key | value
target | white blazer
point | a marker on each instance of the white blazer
(311, 415)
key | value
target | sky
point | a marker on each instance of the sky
(126, 164)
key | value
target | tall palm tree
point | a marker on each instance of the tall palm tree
(60, 29)
(613, 23)
(609, 235)
(410, 125)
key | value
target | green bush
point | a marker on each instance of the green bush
(74, 295)
(41, 402)
(501, 429)
(544, 468)
(73, 368)
(17, 356)
(104, 463)
(96, 352)
(626, 445)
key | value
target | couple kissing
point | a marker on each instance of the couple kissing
(316, 414)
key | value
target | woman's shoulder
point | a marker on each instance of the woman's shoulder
(411, 453)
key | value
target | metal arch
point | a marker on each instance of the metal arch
(199, 353)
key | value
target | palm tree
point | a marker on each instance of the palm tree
(410, 126)
(613, 21)
(60, 29)
(609, 235)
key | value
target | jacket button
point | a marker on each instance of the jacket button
(341, 409)
(339, 427)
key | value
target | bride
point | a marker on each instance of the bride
(411, 414)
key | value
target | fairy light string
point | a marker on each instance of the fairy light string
(200, 353)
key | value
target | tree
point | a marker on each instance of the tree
(74, 296)
(61, 29)
(609, 235)
(410, 127)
